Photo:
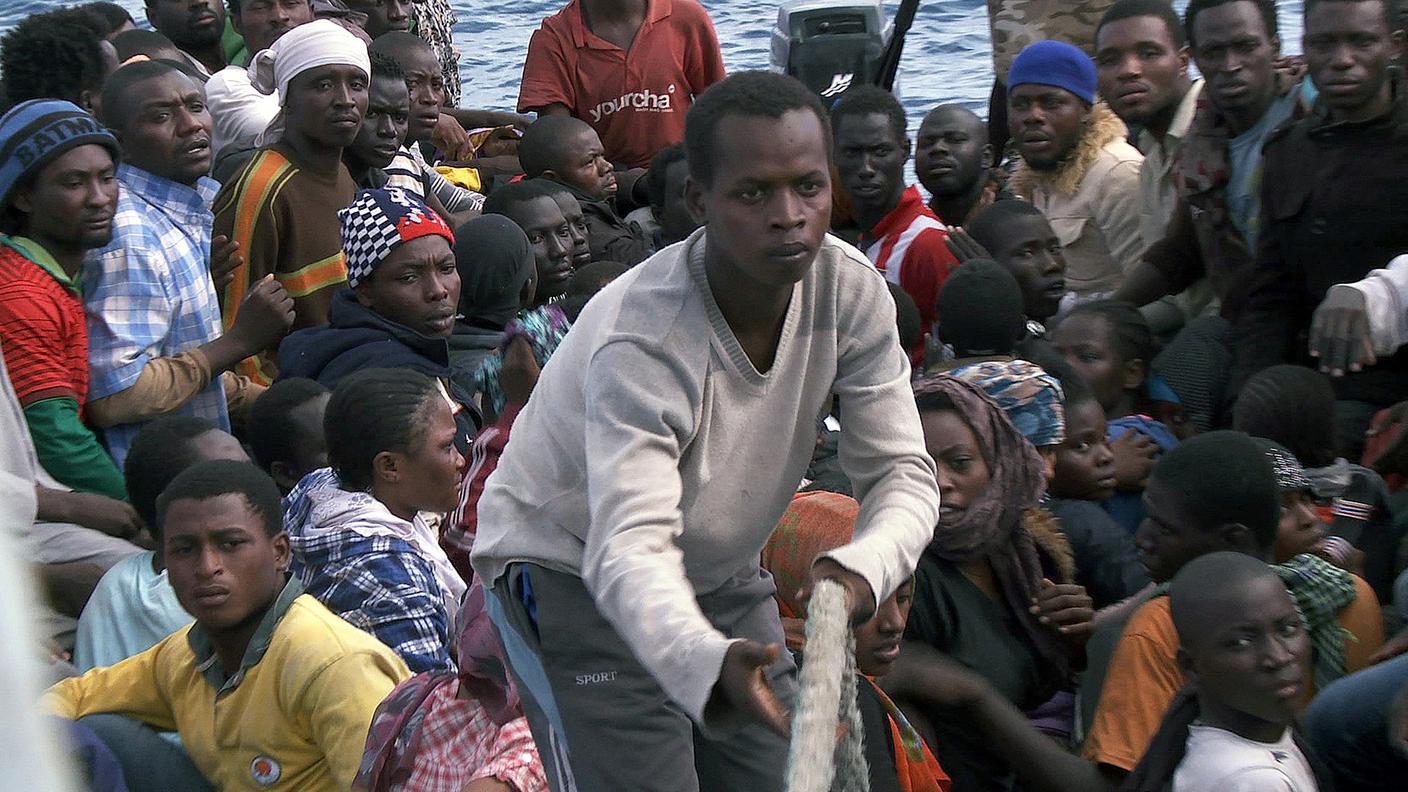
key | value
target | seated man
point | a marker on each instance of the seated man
(667, 219)
(1076, 166)
(954, 161)
(50, 227)
(260, 651)
(399, 308)
(426, 83)
(282, 208)
(576, 220)
(899, 234)
(568, 151)
(155, 341)
(531, 206)
(1218, 491)
(240, 111)
(134, 606)
(286, 430)
(195, 26)
(1019, 237)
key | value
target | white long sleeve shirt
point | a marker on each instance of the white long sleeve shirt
(654, 460)
(1386, 302)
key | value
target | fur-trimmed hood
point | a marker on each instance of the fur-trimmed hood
(1051, 544)
(1104, 128)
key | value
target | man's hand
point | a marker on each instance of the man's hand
(1067, 608)
(519, 373)
(862, 598)
(743, 684)
(964, 247)
(96, 512)
(225, 258)
(264, 317)
(1135, 454)
(1339, 333)
(451, 139)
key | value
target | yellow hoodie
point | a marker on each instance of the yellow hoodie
(295, 716)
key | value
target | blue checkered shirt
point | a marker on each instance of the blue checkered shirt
(148, 294)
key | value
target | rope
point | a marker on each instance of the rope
(826, 697)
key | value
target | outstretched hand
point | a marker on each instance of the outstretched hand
(743, 684)
(1339, 333)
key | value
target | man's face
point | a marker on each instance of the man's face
(416, 286)
(427, 86)
(870, 160)
(1140, 70)
(325, 105)
(1168, 538)
(676, 222)
(383, 128)
(1236, 56)
(577, 225)
(1032, 252)
(953, 152)
(166, 128)
(383, 15)
(261, 22)
(226, 571)
(1253, 657)
(585, 165)
(1348, 49)
(73, 199)
(190, 24)
(1046, 122)
(769, 205)
(551, 237)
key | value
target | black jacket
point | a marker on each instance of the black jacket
(611, 238)
(355, 338)
(1333, 203)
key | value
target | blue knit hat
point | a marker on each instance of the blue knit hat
(1055, 63)
(34, 133)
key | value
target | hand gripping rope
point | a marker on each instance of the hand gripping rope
(826, 697)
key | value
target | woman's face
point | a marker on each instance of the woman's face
(432, 463)
(1300, 530)
(963, 472)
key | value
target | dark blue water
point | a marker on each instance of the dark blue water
(946, 56)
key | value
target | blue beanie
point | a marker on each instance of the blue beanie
(35, 132)
(1055, 63)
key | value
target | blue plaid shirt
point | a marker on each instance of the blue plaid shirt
(379, 584)
(148, 294)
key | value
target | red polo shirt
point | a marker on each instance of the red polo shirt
(635, 100)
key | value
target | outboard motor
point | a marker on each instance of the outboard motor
(831, 45)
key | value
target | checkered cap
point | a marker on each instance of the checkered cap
(379, 220)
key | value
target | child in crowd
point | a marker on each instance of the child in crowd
(981, 315)
(1019, 238)
(293, 686)
(530, 205)
(400, 305)
(992, 590)
(134, 606)
(286, 430)
(1110, 345)
(568, 151)
(1218, 491)
(383, 129)
(815, 523)
(360, 544)
(498, 279)
(1241, 636)
(576, 220)
(1294, 406)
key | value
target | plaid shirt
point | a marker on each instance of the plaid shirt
(148, 294)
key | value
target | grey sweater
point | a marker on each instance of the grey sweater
(654, 461)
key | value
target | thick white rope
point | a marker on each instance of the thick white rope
(826, 697)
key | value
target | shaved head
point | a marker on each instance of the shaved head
(956, 113)
(548, 143)
(398, 44)
(1208, 591)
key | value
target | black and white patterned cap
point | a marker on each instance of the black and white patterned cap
(1290, 474)
(379, 220)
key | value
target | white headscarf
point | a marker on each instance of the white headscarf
(308, 46)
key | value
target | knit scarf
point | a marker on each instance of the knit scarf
(993, 526)
(1321, 590)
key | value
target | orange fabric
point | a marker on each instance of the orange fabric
(814, 523)
(1144, 675)
(925, 776)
